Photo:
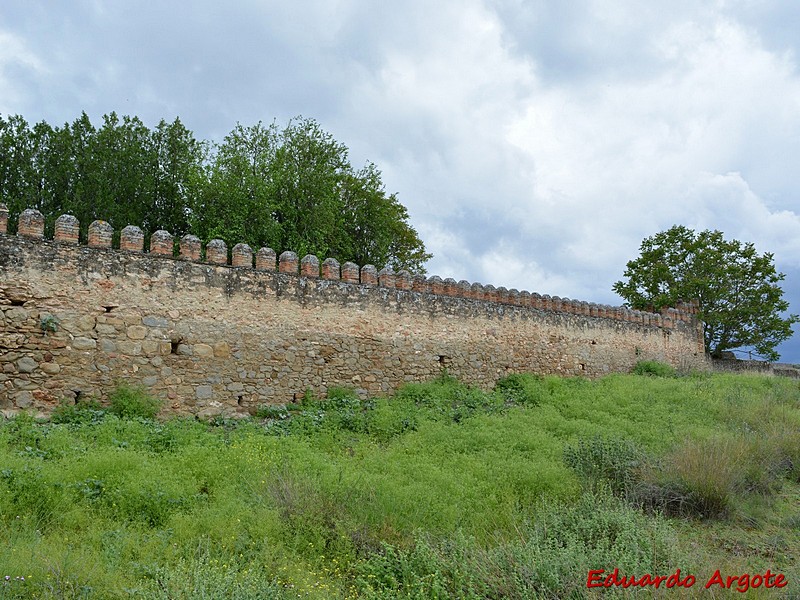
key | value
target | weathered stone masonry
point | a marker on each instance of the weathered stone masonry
(209, 337)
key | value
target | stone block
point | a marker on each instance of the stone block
(83, 343)
(222, 350)
(350, 272)
(204, 392)
(288, 262)
(151, 347)
(217, 252)
(67, 229)
(265, 259)
(242, 256)
(100, 234)
(369, 275)
(155, 321)
(137, 332)
(131, 239)
(330, 269)
(31, 223)
(161, 243)
(309, 266)
(190, 248)
(130, 348)
(107, 345)
(203, 350)
(23, 399)
(386, 277)
(26, 365)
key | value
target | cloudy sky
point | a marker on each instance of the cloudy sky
(535, 143)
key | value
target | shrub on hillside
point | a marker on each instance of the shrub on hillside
(82, 412)
(520, 388)
(699, 478)
(611, 462)
(653, 368)
(549, 558)
(131, 403)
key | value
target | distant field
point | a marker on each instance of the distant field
(442, 491)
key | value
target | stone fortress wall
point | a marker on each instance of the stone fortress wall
(213, 336)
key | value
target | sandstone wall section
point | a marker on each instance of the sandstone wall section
(211, 337)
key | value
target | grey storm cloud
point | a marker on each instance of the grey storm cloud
(535, 143)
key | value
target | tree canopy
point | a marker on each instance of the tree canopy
(741, 303)
(290, 188)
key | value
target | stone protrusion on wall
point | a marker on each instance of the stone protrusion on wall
(190, 247)
(502, 295)
(331, 269)
(288, 262)
(242, 256)
(437, 285)
(100, 234)
(403, 280)
(217, 252)
(419, 283)
(161, 243)
(309, 266)
(3, 218)
(464, 289)
(131, 239)
(369, 275)
(386, 277)
(67, 229)
(31, 223)
(265, 259)
(490, 293)
(524, 298)
(450, 287)
(476, 291)
(569, 305)
(350, 273)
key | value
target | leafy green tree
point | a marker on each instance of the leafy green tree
(295, 189)
(740, 299)
(376, 225)
(237, 203)
(290, 189)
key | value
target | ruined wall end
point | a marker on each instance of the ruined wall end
(211, 338)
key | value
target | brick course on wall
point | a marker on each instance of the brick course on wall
(218, 338)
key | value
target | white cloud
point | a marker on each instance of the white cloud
(17, 62)
(535, 143)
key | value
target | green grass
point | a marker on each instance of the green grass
(440, 491)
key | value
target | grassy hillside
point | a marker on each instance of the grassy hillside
(441, 491)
